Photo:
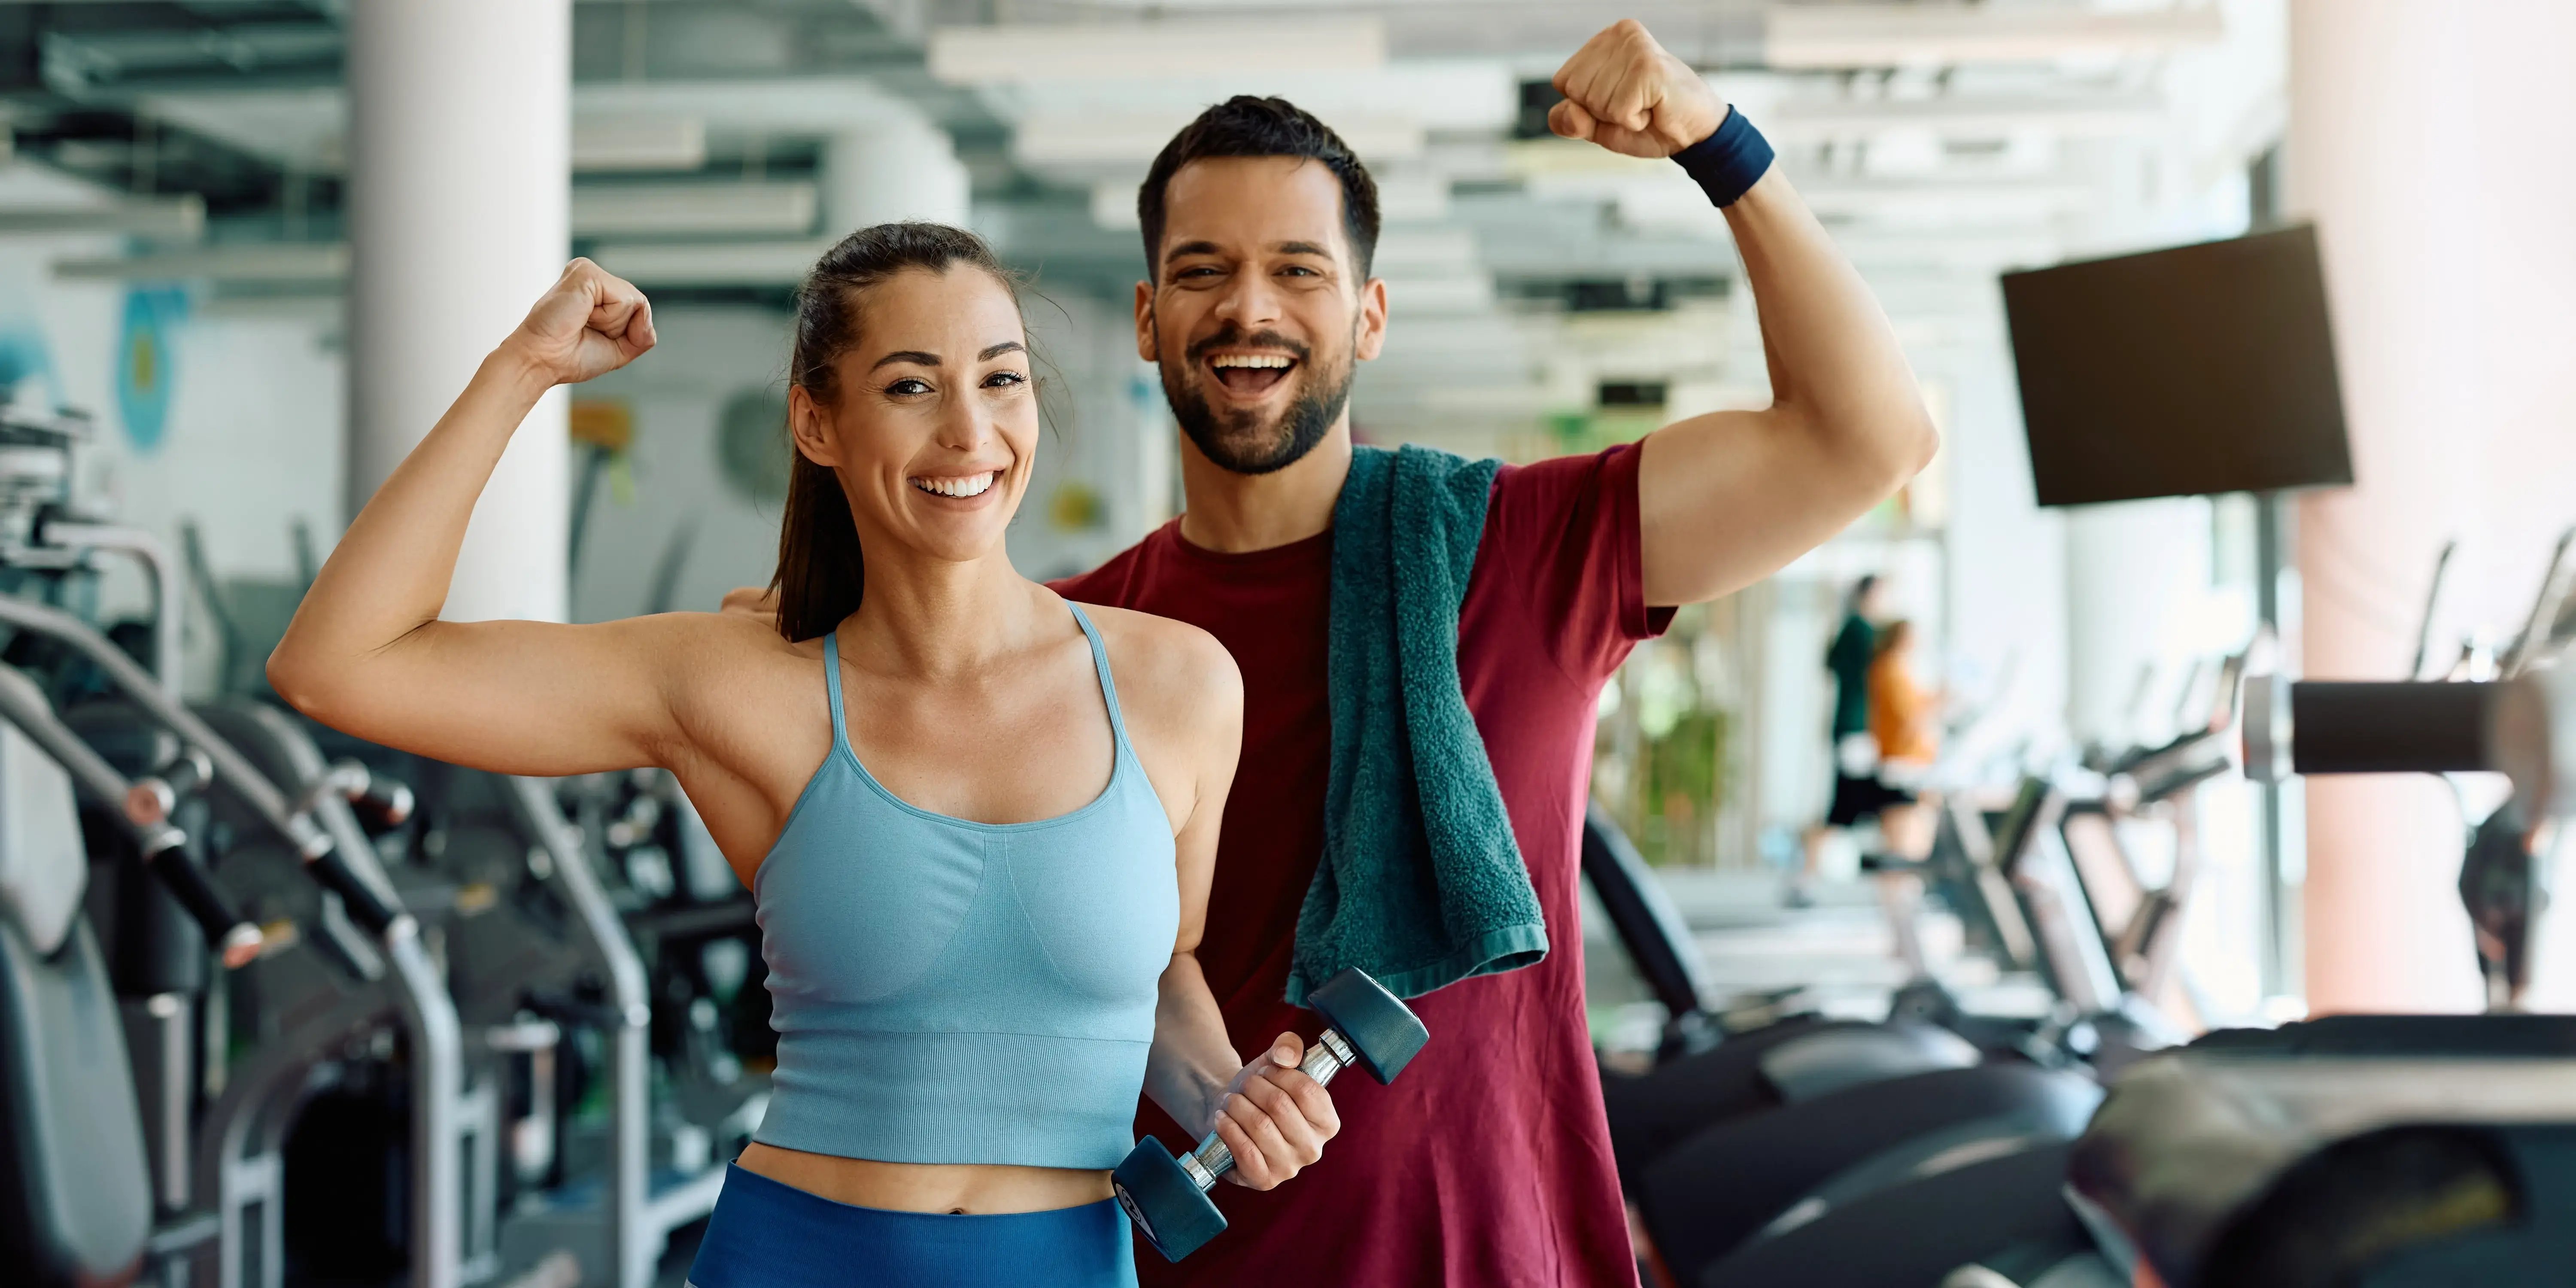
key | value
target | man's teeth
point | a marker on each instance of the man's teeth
(1250, 360)
(970, 485)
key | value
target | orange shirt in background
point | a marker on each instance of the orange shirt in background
(1900, 713)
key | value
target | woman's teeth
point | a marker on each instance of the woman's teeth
(969, 485)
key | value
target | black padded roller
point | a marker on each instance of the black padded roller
(370, 910)
(2345, 727)
(232, 937)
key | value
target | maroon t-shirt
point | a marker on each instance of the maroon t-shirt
(1488, 1163)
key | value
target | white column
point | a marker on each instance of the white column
(900, 168)
(2428, 140)
(460, 126)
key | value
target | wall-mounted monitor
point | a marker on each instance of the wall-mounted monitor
(2181, 372)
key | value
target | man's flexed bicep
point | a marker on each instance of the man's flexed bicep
(1729, 498)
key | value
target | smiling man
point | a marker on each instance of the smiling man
(1488, 1163)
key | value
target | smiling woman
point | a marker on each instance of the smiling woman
(978, 822)
(896, 268)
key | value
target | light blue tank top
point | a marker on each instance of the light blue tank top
(955, 992)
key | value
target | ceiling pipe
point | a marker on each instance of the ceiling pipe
(318, 263)
(617, 126)
(1195, 47)
(757, 209)
(1818, 37)
(2109, 116)
(181, 218)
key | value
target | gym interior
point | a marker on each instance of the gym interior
(2200, 935)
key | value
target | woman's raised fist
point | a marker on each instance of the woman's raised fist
(589, 323)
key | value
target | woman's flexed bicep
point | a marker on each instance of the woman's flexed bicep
(366, 652)
(519, 697)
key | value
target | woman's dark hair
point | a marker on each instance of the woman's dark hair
(820, 577)
(1245, 126)
(1860, 591)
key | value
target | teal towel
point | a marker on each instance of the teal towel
(1421, 882)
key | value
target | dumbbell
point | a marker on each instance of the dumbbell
(1167, 1197)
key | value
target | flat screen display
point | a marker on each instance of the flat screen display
(2181, 372)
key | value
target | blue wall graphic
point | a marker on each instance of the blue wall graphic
(145, 362)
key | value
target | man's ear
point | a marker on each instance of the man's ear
(1145, 346)
(1372, 320)
(806, 421)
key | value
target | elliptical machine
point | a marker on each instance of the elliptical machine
(600, 956)
(90, 1201)
(238, 1138)
(214, 1176)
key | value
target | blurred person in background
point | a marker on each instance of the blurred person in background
(1904, 721)
(1857, 795)
(1903, 718)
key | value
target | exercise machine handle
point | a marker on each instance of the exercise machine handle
(380, 802)
(153, 799)
(163, 847)
(324, 862)
(377, 913)
(236, 941)
(383, 804)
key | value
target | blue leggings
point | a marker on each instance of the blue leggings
(768, 1234)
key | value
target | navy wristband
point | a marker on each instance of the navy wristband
(1728, 163)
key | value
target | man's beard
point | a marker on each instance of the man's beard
(1238, 442)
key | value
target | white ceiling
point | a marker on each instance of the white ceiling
(1940, 141)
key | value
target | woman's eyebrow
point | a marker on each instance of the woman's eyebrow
(914, 356)
(1007, 346)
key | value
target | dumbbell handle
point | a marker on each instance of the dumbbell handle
(1212, 1159)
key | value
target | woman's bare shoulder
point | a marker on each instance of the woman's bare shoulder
(743, 697)
(693, 644)
(1170, 673)
(711, 663)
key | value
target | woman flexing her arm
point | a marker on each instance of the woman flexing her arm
(981, 859)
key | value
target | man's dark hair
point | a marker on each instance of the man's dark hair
(1245, 126)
